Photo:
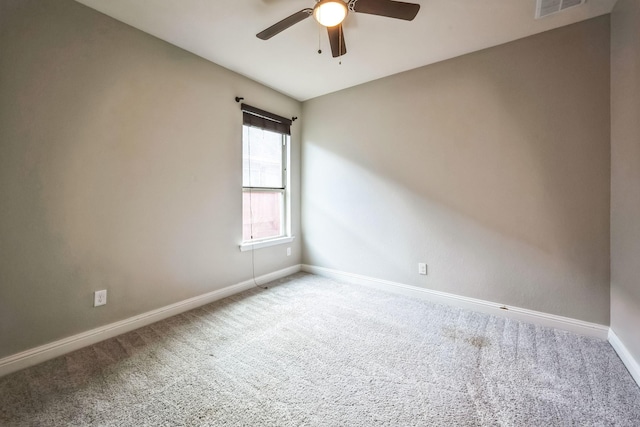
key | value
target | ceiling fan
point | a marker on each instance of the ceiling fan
(331, 13)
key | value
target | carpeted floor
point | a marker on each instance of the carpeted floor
(313, 351)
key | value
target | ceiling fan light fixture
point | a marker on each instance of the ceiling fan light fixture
(330, 13)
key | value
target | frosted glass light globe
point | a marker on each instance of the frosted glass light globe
(330, 12)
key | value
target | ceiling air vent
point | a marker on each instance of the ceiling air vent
(548, 7)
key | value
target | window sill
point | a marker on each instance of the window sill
(266, 243)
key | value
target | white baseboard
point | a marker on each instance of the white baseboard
(45, 352)
(632, 364)
(523, 314)
(57, 348)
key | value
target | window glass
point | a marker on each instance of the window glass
(264, 178)
(261, 158)
(262, 213)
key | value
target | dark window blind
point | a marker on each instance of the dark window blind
(252, 116)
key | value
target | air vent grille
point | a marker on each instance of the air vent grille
(548, 7)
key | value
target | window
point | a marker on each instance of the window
(263, 184)
(265, 145)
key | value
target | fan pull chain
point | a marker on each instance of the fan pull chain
(340, 46)
(319, 38)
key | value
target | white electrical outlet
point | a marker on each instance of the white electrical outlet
(100, 298)
(422, 268)
(288, 251)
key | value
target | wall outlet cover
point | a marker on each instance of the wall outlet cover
(422, 268)
(100, 298)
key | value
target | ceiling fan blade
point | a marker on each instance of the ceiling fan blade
(284, 24)
(336, 40)
(388, 8)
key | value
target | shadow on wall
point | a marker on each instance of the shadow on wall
(380, 228)
(117, 151)
(496, 162)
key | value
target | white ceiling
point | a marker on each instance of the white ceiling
(223, 31)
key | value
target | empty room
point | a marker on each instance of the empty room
(320, 213)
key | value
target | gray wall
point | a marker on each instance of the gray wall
(120, 169)
(625, 173)
(494, 168)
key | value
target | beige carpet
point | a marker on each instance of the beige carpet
(312, 351)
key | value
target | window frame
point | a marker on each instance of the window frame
(285, 209)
